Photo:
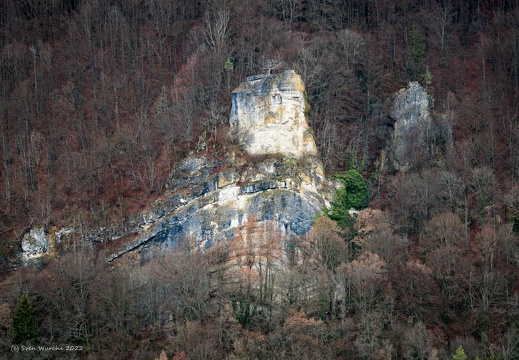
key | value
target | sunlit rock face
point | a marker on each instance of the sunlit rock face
(413, 138)
(268, 115)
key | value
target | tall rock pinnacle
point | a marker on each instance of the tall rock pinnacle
(268, 115)
(412, 140)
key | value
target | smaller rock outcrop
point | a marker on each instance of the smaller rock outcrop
(37, 242)
(418, 137)
(268, 116)
(412, 126)
(34, 244)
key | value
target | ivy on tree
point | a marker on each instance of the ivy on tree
(353, 194)
(25, 326)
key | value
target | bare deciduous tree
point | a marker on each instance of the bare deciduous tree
(216, 27)
(352, 45)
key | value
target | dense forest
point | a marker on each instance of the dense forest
(100, 98)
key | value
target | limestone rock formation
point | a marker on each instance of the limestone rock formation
(34, 243)
(413, 138)
(268, 115)
(208, 198)
(37, 242)
(418, 136)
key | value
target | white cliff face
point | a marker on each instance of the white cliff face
(268, 116)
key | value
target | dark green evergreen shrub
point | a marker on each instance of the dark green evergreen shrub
(25, 325)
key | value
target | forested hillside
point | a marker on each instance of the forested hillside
(99, 99)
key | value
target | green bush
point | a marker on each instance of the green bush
(460, 354)
(353, 194)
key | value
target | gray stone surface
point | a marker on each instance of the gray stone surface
(38, 242)
(203, 212)
(417, 137)
(207, 200)
(412, 126)
(34, 244)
